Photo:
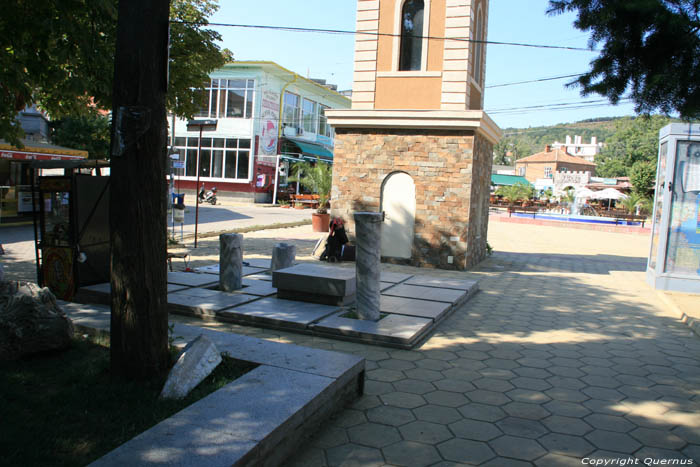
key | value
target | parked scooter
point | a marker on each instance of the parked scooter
(207, 196)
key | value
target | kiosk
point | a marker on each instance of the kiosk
(674, 259)
(71, 226)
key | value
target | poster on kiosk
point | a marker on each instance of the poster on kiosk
(674, 258)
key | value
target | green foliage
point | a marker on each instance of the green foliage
(87, 132)
(649, 50)
(60, 55)
(513, 193)
(317, 178)
(509, 149)
(642, 176)
(632, 201)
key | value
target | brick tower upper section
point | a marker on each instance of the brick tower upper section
(420, 54)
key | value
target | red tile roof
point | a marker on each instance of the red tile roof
(555, 155)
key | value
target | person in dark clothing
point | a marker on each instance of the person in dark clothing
(337, 248)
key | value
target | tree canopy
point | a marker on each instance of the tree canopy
(60, 55)
(650, 50)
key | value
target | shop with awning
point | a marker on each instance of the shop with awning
(16, 173)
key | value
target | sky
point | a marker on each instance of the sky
(330, 56)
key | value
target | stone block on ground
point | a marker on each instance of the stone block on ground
(230, 262)
(316, 283)
(197, 360)
(283, 256)
(31, 321)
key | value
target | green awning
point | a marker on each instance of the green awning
(498, 179)
(313, 149)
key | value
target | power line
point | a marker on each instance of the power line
(554, 107)
(534, 80)
(381, 34)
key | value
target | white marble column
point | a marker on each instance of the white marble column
(283, 256)
(230, 262)
(368, 235)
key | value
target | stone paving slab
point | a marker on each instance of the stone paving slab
(440, 282)
(260, 287)
(413, 307)
(214, 269)
(392, 330)
(278, 313)
(393, 277)
(191, 279)
(426, 293)
(205, 302)
(100, 293)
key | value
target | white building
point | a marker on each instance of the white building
(578, 148)
(262, 110)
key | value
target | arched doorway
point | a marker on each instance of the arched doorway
(399, 205)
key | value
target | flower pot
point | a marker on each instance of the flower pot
(319, 222)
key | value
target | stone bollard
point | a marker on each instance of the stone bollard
(368, 234)
(230, 262)
(283, 256)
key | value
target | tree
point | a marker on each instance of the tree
(510, 149)
(642, 176)
(139, 320)
(317, 178)
(60, 55)
(650, 49)
(87, 132)
(515, 192)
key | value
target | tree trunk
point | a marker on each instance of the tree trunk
(139, 324)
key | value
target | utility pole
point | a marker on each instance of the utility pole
(138, 187)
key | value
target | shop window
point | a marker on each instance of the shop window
(220, 158)
(324, 129)
(291, 110)
(227, 98)
(309, 116)
(411, 49)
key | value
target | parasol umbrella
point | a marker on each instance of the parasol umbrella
(609, 193)
(584, 193)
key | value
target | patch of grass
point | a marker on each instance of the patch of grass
(65, 409)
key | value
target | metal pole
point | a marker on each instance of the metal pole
(277, 172)
(196, 190)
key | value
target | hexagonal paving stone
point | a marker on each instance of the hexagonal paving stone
(350, 417)
(432, 364)
(493, 384)
(612, 441)
(557, 460)
(352, 455)
(468, 364)
(406, 355)
(487, 413)
(373, 435)
(526, 395)
(474, 429)
(518, 448)
(567, 371)
(690, 434)
(567, 409)
(473, 354)
(425, 432)
(505, 462)
(454, 385)
(446, 398)
(524, 410)
(658, 438)
(437, 414)
(522, 427)
(567, 425)
(440, 354)
(461, 374)
(410, 453)
(385, 375)
(394, 364)
(389, 415)
(376, 388)
(424, 375)
(403, 399)
(487, 397)
(465, 451)
(331, 437)
(562, 361)
(501, 363)
(658, 453)
(565, 382)
(414, 386)
(533, 384)
(531, 372)
(609, 422)
(566, 444)
(500, 373)
(568, 395)
(534, 362)
(605, 394)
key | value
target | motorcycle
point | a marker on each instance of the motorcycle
(207, 196)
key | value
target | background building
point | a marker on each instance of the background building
(550, 161)
(262, 110)
(577, 147)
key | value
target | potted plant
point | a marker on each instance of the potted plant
(317, 178)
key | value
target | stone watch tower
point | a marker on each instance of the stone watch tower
(416, 144)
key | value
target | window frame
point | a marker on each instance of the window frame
(218, 95)
(229, 147)
(397, 40)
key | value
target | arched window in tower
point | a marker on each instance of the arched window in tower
(411, 35)
(479, 45)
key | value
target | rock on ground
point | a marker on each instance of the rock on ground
(197, 360)
(31, 321)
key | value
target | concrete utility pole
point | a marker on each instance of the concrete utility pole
(138, 187)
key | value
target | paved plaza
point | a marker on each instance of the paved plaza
(564, 355)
